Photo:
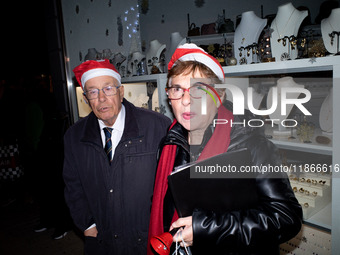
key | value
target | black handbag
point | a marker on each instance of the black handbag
(193, 30)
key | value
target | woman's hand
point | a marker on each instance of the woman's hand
(187, 233)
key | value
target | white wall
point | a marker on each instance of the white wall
(88, 28)
(175, 14)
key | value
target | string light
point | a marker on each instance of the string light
(131, 20)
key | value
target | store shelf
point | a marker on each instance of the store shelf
(291, 66)
(144, 78)
(322, 219)
(326, 218)
(283, 142)
(212, 38)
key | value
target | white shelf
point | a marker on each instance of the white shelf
(291, 66)
(282, 141)
(210, 38)
(322, 218)
(144, 78)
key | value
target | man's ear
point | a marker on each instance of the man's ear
(121, 92)
(85, 99)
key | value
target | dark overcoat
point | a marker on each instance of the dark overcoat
(116, 197)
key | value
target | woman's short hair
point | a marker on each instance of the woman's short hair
(187, 67)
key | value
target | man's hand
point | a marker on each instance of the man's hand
(187, 233)
(91, 232)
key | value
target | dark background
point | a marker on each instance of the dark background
(23, 38)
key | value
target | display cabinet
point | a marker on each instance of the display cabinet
(326, 219)
(160, 80)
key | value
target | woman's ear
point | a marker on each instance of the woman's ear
(222, 95)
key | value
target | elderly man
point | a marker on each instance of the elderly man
(110, 164)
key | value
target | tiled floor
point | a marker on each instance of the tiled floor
(18, 238)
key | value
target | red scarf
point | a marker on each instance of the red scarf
(217, 144)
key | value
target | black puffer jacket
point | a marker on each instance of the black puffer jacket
(258, 230)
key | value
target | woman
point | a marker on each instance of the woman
(258, 230)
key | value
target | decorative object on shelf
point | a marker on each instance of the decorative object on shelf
(176, 39)
(246, 37)
(107, 54)
(243, 61)
(326, 113)
(265, 52)
(330, 29)
(285, 56)
(307, 38)
(192, 29)
(92, 54)
(224, 25)
(323, 139)
(305, 131)
(135, 66)
(316, 48)
(117, 61)
(286, 26)
(232, 61)
(225, 53)
(335, 34)
(141, 67)
(154, 56)
(208, 29)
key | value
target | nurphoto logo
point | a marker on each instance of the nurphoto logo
(281, 95)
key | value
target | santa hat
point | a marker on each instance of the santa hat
(94, 68)
(191, 52)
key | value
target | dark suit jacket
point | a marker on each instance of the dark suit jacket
(116, 197)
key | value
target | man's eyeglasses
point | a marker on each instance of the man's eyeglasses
(196, 91)
(108, 91)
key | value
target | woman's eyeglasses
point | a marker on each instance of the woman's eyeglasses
(196, 91)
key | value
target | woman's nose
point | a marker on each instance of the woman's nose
(186, 98)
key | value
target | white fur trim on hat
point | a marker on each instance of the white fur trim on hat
(199, 57)
(99, 72)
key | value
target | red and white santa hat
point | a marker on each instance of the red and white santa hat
(94, 68)
(191, 52)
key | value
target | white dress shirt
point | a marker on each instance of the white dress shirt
(117, 132)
